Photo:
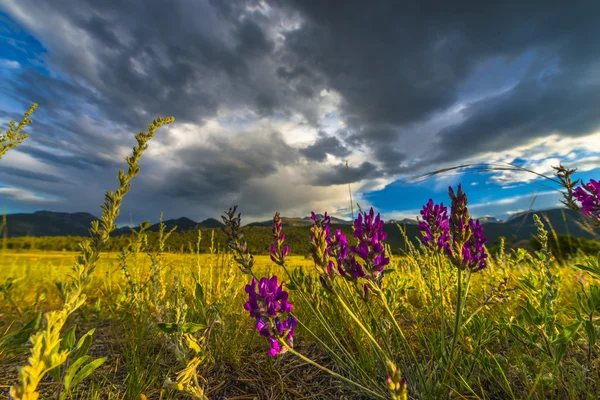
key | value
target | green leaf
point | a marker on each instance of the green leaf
(559, 351)
(590, 330)
(567, 334)
(69, 339)
(20, 337)
(516, 329)
(73, 369)
(87, 370)
(55, 373)
(83, 344)
(191, 327)
(199, 294)
(167, 327)
(592, 266)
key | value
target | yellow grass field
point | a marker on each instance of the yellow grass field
(42, 269)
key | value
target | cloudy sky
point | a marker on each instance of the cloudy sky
(271, 98)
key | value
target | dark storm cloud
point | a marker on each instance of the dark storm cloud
(183, 62)
(325, 145)
(116, 65)
(252, 40)
(397, 63)
(531, 110)
(391, 159)
(293, 73)
(210, 172)
(341, 175)
(101, 29)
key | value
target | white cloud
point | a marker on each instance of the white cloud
(23, 195)
(542, 154)
(12, 64)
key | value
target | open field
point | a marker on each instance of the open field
(491, 360)
(41, 270)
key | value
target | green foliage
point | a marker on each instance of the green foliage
(564, 246)
(13, 137)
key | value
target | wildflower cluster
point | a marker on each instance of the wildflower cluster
(331, 252)
(434, 227)
(334, 256)
(368, 229)
(268, 305)
(589, 197)
(278, 250)
(235, 240)
(458, 235)
(338, 249)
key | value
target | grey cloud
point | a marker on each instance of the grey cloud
(398, 63)
(325, 145)
(23, 173)
(80, 162)
(293, 73)
(340, 175)
(530, 110)
(253, 41)
(226, 165)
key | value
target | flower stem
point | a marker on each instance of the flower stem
(311, 362)
(441, 305)
(405, 341)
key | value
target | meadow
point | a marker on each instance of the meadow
(356, 320)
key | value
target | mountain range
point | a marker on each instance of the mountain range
(50, 223)
(519, 226)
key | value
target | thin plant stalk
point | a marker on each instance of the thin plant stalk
(332, 373)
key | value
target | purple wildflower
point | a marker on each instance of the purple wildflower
(368, 229)
(278, 250)
(459, 216)
(235, 240)
(338, 248)
(321, 250)
(473, 252)
(589, 197)
(465, 249)
(435, 226)
(268, 306)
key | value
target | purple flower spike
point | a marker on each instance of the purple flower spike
(323, 248)
(474, 255)
(368, 229)
(278, 250)
(435, 228)
(466, 242)
(268, 305)
(235, 240)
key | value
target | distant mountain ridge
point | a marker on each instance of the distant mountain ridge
(297, 221)
(521, 225)
(50, 223)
